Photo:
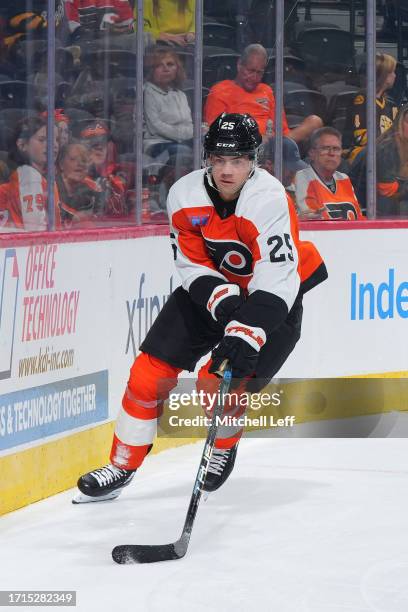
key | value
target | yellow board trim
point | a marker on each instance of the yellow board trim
(42, 471)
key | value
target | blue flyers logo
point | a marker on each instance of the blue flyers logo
(199, 220)
(8, 306)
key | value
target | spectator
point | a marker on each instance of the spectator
(321, 191)
(386, 109)
(24, 20)
(81, 199)
(106, 173)
(247, 94)
(23, 199)
(61, 123)
(4, 173)
(6, 67)
(89, 17)
(392, 168)
(292, 162)
(170, 21)
(169, 125)
(175, 168)
(123, 113)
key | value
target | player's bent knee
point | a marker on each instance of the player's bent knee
(151, 379)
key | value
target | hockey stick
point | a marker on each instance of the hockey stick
(140, 553)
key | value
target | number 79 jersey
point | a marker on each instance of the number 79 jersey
(254, 244)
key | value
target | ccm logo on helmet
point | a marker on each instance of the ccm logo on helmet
(226, 145)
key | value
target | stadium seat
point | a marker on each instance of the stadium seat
(324, 47)
(110, 63)
(76, 115)
(16, 94)
(339, 115)
(218, 66)
(399, 92)
(294, 69)
(402, 21)
(4, 136)
(218, 35)
(304, 102)
(62, 92)
(189, 91)
(261, 19)
(10, 116)
(29, 56)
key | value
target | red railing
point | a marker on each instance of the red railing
(142, 231)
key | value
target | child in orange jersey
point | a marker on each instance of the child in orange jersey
(23, 199)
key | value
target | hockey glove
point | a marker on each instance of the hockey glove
(224, 301)
(240, 346)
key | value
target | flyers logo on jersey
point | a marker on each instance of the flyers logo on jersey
(198, 220)
(230, 256)
(341, 211)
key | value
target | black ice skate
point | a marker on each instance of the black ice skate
(220, 467)
(102, 484)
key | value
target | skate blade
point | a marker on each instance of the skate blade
(81, 498)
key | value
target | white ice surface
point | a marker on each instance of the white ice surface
(302, 525)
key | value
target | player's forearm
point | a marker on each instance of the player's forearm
(263, 309)
(202, 288)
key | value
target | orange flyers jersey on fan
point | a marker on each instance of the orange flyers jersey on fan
(313, 195)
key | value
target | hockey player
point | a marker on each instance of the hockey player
(243, 274)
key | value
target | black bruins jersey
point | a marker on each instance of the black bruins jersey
(386, 113)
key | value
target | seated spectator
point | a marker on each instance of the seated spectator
(81, 199)
(4, 171)
(247, 94)
(170, 21)
(175, 168)
(123, 113)
(23, 199)
(386, 109)
(105, 172)
(7, 69)
(291, 159)
(321, 191)
(168, 121)
(61, 123)
(24, 20)
(392, 168)
(87, 18)
(308, 255)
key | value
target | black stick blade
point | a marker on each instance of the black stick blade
(138, 553)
